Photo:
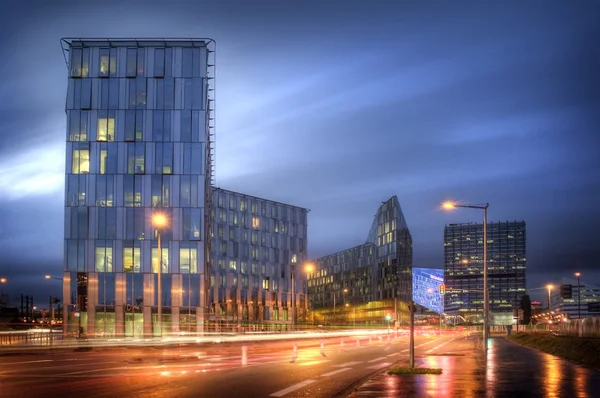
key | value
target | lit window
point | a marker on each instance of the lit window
(164, 260)
(131, 259)
(81, 161)
(103, 161)
(106, 129)
(104, 259)
(294, 259)
(255, 222)
(233, 265)
(188, 263)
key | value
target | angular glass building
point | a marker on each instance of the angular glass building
(138, 143)
(463, 268)
(362, 284)
(426, 288)
(258, 249)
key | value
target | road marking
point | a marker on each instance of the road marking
(345, 365)
(335, 372)
(380, 365)
(394, 354)
(439, 346)
(406, 349)
(20, 363)
(295, 387)
(379, 359)
(313, 362)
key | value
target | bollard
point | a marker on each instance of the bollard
(323, 349)
(244, 355)
(341, 342)
(358, 343)
(294, 353)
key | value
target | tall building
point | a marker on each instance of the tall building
(138, 143)
(366, 282)
(463, 268)
(426, 288)
(258, 249)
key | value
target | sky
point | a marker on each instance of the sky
(335, 106)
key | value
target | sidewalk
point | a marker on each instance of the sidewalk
(511, 370)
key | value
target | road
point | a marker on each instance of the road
(215, 370)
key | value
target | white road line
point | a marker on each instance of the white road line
(295, 387)
(335, 372)
(404, 350)
(378, 359)
(439, 346)
(313, 362)
(20, 363)
(380, 365)
(394, 354)
(344, 365)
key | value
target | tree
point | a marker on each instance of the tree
(526, 307)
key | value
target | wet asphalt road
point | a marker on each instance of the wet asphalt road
(213, 370)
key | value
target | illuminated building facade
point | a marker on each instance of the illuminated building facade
(463, 268)
(426, 288)
(364, 283)
(256, 246)
(138, 143)
(584, 300)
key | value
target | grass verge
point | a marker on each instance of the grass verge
(414, 371)
(585, 351)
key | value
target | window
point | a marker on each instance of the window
(131, 256)
(76, 190)
(113, 101)
(76, 65)
(140, 93)
(186, 126)
(159, 62)
(243, 205)
(81, 159)
(192, 159)
(106, 126)
(196, 94)
(164, 260)
(78, 122)
(192, 223)
(103, 257)
(130, 125)
(188, 261)
(140, 61)
(131, 62)
(135, 158)
(104, 191)
(294, 259)
(85, 99)
(186, 63)
(255, 222)
(108, 62)
(233, 265)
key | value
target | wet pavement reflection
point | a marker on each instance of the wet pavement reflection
(510, 370)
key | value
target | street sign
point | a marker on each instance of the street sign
(566, 291)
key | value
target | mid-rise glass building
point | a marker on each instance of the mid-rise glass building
(138, 143)
(364, 283)
(426, 288)
(463, 268)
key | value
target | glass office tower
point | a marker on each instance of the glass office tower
(364, 283)
(138, 143)
(463, 268)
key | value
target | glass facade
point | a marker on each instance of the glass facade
(463, 267)
(137, 143)
(370, 276)
(256, 246)
(426, 288)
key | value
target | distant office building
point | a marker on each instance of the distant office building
(256, 246)
(362, 283)
(138, 143)
(463, 268)
(587, 304)
(426, 288)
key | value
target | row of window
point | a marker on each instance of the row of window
(267, 239)
(134, 191)
(266, 209)
(137, 158)
(134, 62)
(139, 93)
(130, 125)
(131, 223)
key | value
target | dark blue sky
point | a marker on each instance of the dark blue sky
(336, 106)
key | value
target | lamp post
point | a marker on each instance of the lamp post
(450, 206)
(2, 281)
(578, 274)
(159, 221)
(293, 266)
(549, 287)
(308, 268)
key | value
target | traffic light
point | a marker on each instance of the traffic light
(442, 289)
(388, 317)
(566, 291)
(77, 314)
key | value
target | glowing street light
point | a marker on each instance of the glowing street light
(451, 206)
(159, 221)
(2, 280)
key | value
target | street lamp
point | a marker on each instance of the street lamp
(451, 206)
(578, 274)
(549, 287)
(308, 268)
(159, 221)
